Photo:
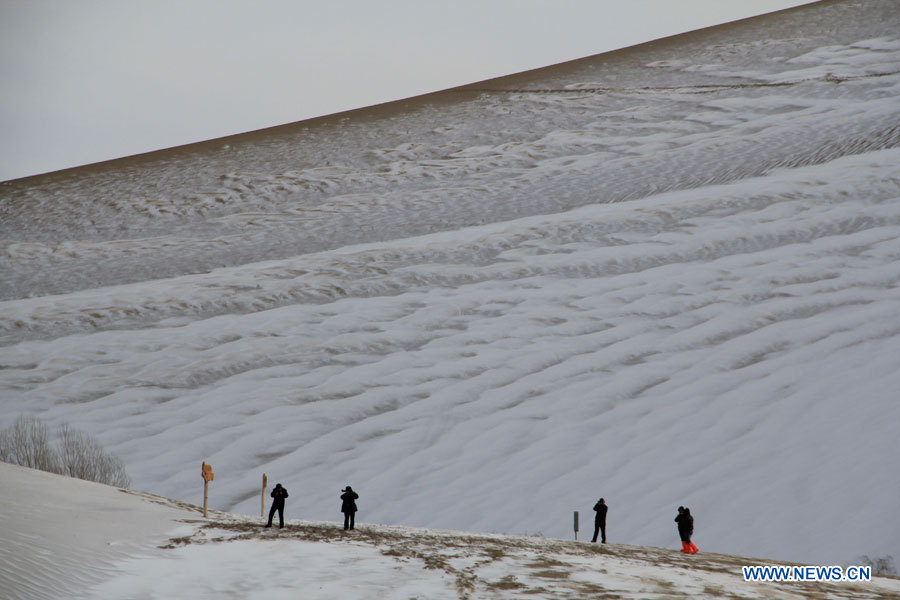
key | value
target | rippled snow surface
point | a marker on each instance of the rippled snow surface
(667, 275)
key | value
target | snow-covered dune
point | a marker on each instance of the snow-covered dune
(667, 275)
(61, 536)
(74, 539)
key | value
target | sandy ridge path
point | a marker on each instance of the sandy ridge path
(473, 565)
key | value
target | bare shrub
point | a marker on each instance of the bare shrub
(27, 443)
(83, 457)
(76, 454)
(881, 565)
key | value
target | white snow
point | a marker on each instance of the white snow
(129, 546)
(63, 535)
(277, 569)
(634, 279)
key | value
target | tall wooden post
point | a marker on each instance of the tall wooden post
(262, 511)
(207, 477)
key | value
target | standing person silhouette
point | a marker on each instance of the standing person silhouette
(600, 521)
(681, 523)
(279, 494)
(348, 507)
(692, 548)
(686, 530)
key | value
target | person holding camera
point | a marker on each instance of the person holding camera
(348, 507)
(600, 521)
(278, 494)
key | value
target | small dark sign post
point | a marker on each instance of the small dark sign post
(576, 525)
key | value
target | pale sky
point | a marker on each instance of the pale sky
(90, 80)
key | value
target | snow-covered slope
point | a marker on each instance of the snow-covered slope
(75, 539)
(62, 536)
(667, 275)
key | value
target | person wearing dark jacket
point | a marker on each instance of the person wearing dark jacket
(278, 494)
(348, 507)
(685, 530)
(600, 521)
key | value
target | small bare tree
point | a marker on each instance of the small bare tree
(27, 443)
(881, 565)
(83, 457)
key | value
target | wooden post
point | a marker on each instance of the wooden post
(262, 511)
(207, 477)
(576, 525)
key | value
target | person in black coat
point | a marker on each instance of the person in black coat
(278, 494)
(348, 507)
(681, 523)
(685, 530)
(600, 521)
